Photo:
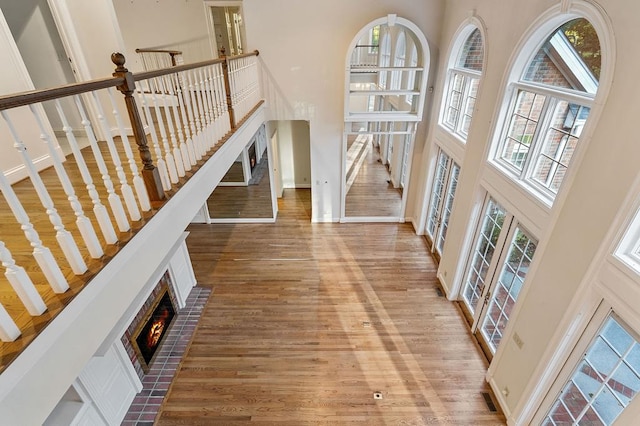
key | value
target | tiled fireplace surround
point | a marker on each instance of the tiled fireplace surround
(146, 404)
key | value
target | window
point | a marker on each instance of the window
(501, 258)
(549, 108)
(385, 58)
(464, 79)
(604, 381)
(443, 192)
(398, 62)
(411, 75)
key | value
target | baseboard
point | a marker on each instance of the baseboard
(18, 173)
(303, 186)
(500, 398)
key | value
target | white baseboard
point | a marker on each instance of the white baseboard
(502, 402)
(18, 173)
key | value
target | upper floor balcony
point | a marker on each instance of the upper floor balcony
(84, 209)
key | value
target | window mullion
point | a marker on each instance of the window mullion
(537, 141)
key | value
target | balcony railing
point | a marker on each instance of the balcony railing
(61, 225)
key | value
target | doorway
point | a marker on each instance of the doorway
(34, 30)
(226, 26)
(502, 254)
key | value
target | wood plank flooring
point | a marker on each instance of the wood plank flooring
(371, 194)
(307, 321)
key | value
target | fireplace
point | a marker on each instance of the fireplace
(148, 335)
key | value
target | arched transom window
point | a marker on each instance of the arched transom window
(464, 79)
(549, 107)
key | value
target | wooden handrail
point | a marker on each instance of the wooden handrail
(174, 52)
(244, 55)
(178, 68)
(34, 96)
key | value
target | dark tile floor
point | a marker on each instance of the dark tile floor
(156, 382)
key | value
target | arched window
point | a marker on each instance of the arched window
(548, 108)
(411, 75)
(398, 61)
(464, 78)
(385, 57)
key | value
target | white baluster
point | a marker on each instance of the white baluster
(222, 98)
(8, 329)
(114, 201)
(138, 182)
(204, 112)
(194, 118)
(190, 150)
(82, 222)
(182, 146)
(64, 237)
(213, 105)
(21, 283)
(168, 157)
(41, 254)
(160, 164)
(99, 210)
(125, 188)
(177, 155)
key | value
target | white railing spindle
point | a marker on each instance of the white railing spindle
(175, 102)
(188, 131)
(138, 182)
(168, 156)
(21, 283)
(41, 254)
(64, 237)
(82, 222)
(99, 210)
(160, 163)
(114, 200)
(194, 118)
(8, 329)
(164, 92)
(125, 188)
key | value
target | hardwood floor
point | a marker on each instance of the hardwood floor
(307, 321)
(246, 202)
(371, 194)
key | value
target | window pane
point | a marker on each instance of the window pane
(488, 234)
(569, 58)
(559, 144)
(522, 128)
(472, 52)
(606, 379)
(508, 288)
(448, 205)
(436, 194)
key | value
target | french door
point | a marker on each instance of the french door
(443, 193)
(502, 253)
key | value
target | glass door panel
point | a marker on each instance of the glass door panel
(485, 247)
(507, 288)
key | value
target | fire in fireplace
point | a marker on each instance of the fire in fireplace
(149, 334)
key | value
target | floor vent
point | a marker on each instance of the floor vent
(439, 292)
(489, 402)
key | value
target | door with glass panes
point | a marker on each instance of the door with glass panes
(502, 254)
(443, 193)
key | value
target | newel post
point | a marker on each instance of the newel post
(227, 87)
(150, 173)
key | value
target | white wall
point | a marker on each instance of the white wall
(177, 25)
(571, 232)
(16, 79)
(303, 46)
